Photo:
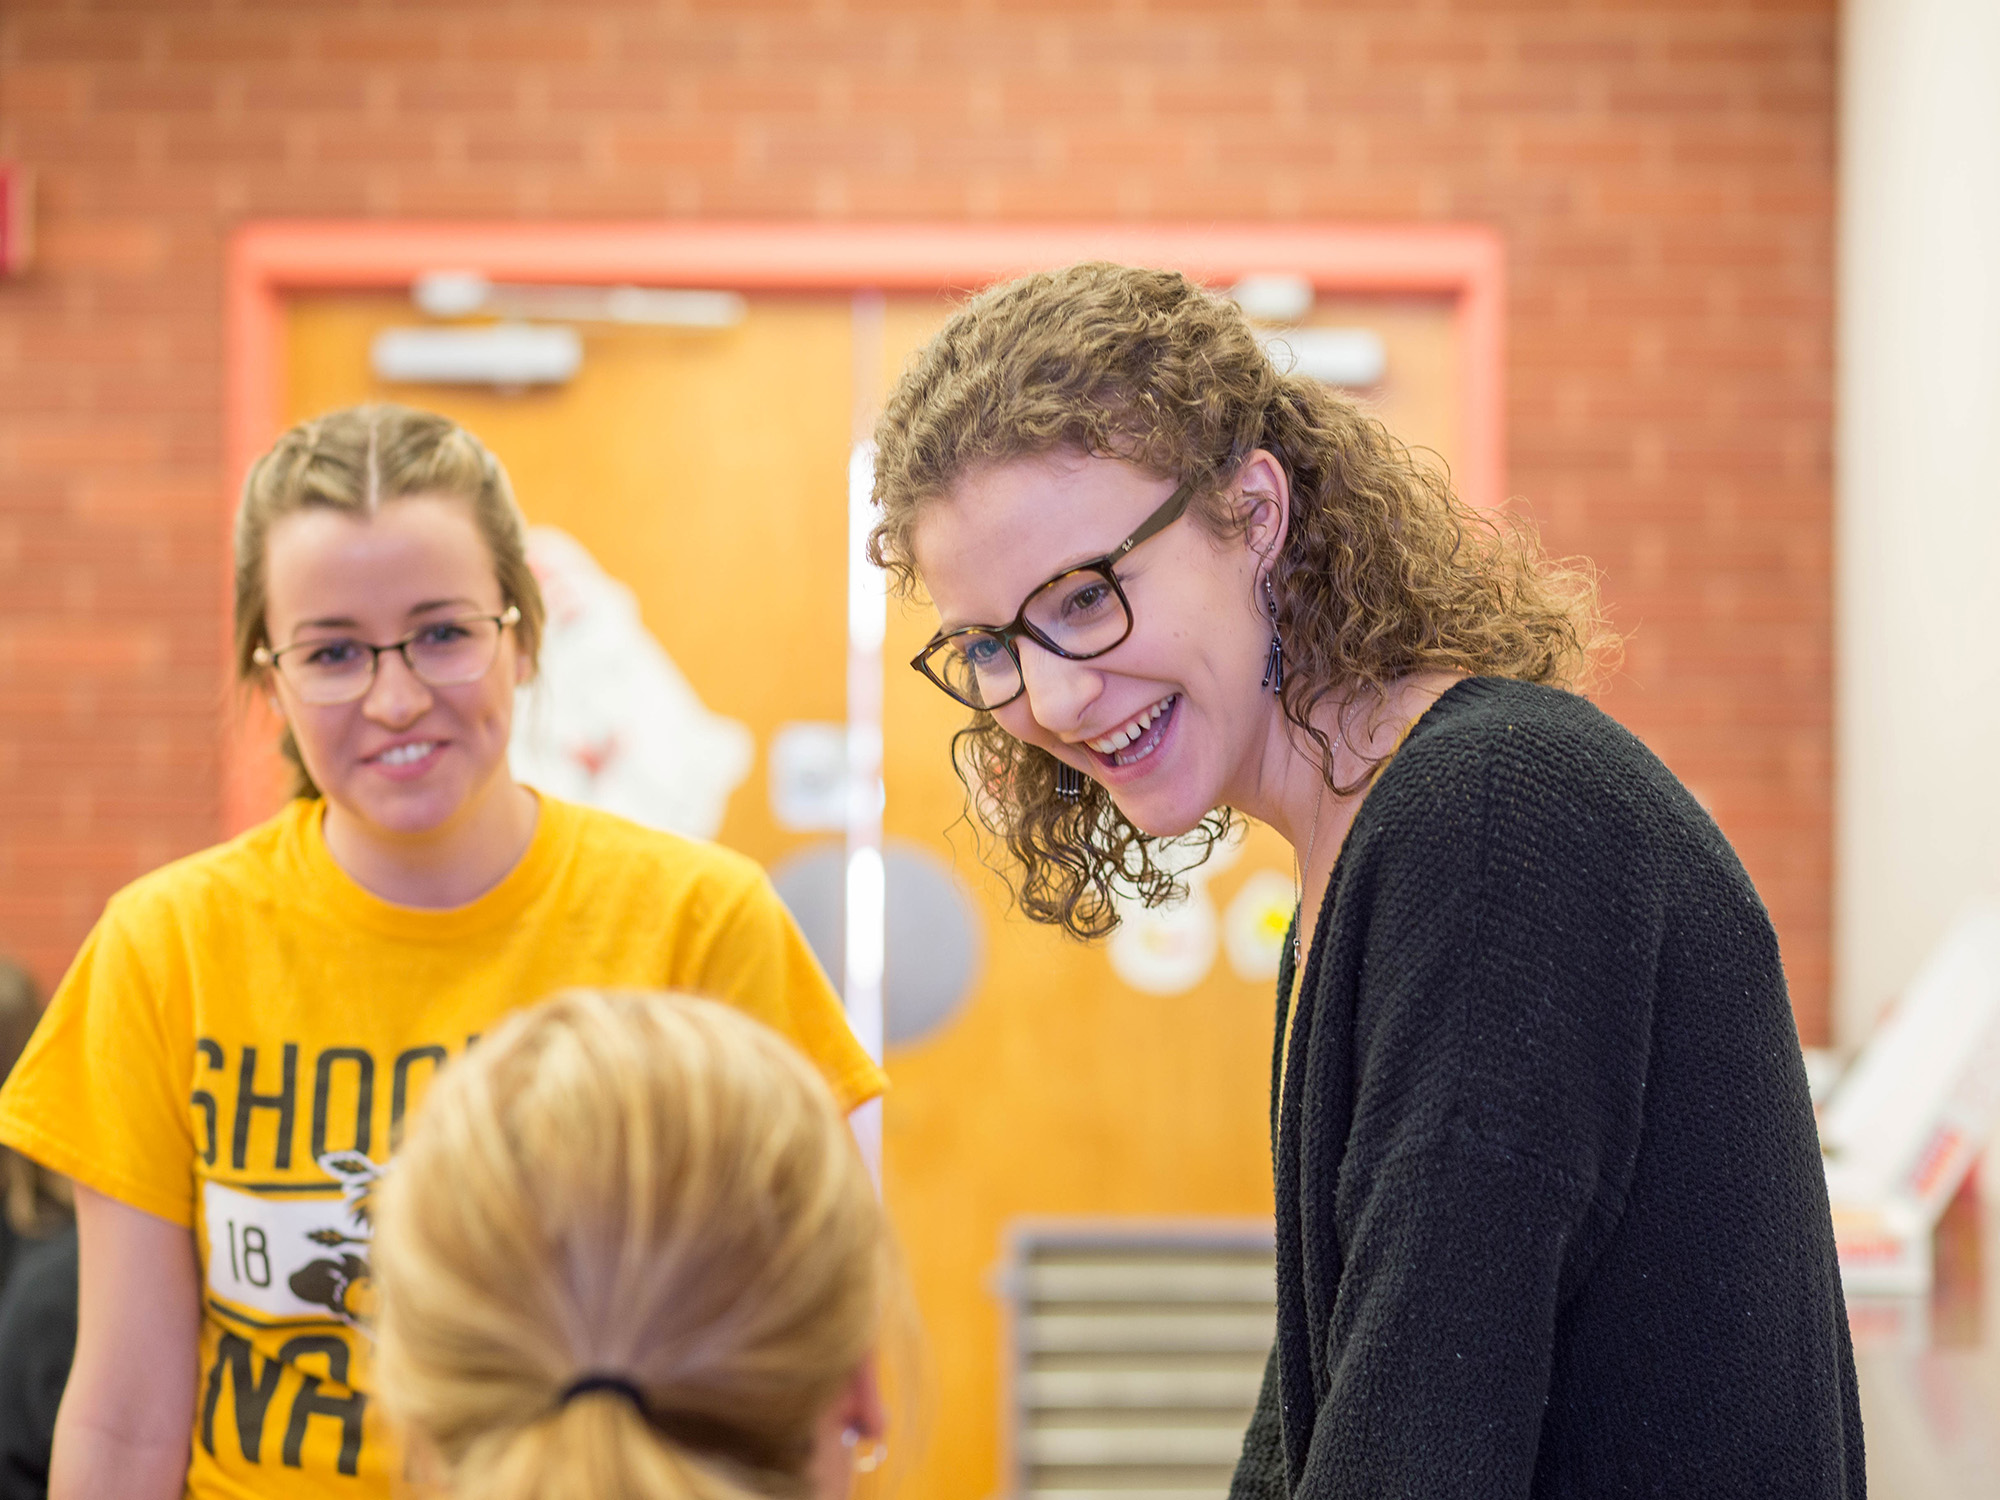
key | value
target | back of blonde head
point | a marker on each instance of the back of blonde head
(646, 1185)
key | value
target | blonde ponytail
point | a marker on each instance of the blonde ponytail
(647, 1187)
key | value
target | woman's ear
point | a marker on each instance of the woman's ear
(860, 1403)
(1264, 493)
(854, 1425)
(261, 677)
(524, 663)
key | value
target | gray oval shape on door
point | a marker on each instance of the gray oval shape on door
(931, 953)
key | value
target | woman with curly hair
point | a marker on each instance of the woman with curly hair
(1550, 1214)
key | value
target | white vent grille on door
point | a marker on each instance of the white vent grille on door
(1138, 1352)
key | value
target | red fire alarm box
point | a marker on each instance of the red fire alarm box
(17, 188)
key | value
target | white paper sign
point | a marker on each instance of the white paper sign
(809, 776)
(609, 720)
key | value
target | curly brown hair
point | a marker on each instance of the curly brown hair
(1384, 571)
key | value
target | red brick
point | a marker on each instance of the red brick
(277, 92)
(1756, 49)
(1456, 49)
(444, 93)
(648, 98)
(154, 91)
(567, 37)
(619, 196)
(757, 94)
(981, 46)
(74, 39)
(445, 194)
(46, 88)
(1563, 92)
(906, 99)
(1601, 47)
(724, 194)
(928, 196)
(781, 8)
(241, 38)
(696, 145)
(393, 146)
(1610, 150)
(60, 141)
(200, 141)
(1094, 43)
(644, 45)
(1095, 148)
(124, 247)
(356, 39)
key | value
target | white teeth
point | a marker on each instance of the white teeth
(1119, 738)
(402, 755)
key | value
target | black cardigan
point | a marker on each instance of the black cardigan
(1550, 1213)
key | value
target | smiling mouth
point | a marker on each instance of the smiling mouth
(405, 755)
(1138, 737)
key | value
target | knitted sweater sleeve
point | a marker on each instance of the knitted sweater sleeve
(1500, 968)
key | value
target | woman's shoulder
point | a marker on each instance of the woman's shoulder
(1495, 715)
(1528, 739)
(242, 876)
(610, 848)
(1534, 763)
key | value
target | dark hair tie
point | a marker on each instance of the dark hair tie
(600, 1380)
(704, 1434)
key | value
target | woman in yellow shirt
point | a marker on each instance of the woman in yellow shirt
(229, 1064)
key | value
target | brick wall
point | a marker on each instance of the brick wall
(1663, 174)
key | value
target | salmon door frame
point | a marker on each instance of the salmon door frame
(270, 261)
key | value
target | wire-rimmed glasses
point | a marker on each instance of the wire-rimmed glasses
(441, 653)
(1080, 613)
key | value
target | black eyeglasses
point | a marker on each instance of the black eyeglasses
(339, 669)
(1080, 613)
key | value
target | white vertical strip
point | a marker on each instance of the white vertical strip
(1917, 510)
(865, 907)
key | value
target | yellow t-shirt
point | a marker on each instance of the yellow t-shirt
(245, 1033)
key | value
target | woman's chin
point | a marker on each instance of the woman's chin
(1158, 818)
(401, 813)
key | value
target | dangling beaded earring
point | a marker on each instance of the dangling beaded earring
(1069, 782)
(1274, 660)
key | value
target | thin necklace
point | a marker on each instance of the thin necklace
(1312, 842)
